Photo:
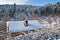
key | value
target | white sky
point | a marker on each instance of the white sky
(13, 1)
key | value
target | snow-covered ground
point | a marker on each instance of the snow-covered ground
(40, 35)
(16, 26)
(55, 21)
(48, 34)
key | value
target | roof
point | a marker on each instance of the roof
(16, 26)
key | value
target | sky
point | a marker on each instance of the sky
(29, 2)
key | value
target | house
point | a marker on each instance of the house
(17, 26)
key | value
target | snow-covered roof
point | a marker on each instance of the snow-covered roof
(58, 39)
(16, 26)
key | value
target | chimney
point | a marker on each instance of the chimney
(25, 23)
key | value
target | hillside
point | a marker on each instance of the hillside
(21, 12)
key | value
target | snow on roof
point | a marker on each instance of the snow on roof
(16, 26)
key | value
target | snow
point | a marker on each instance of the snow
(16, 26)
(46, 24)
(58, 39)
(34, 24)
